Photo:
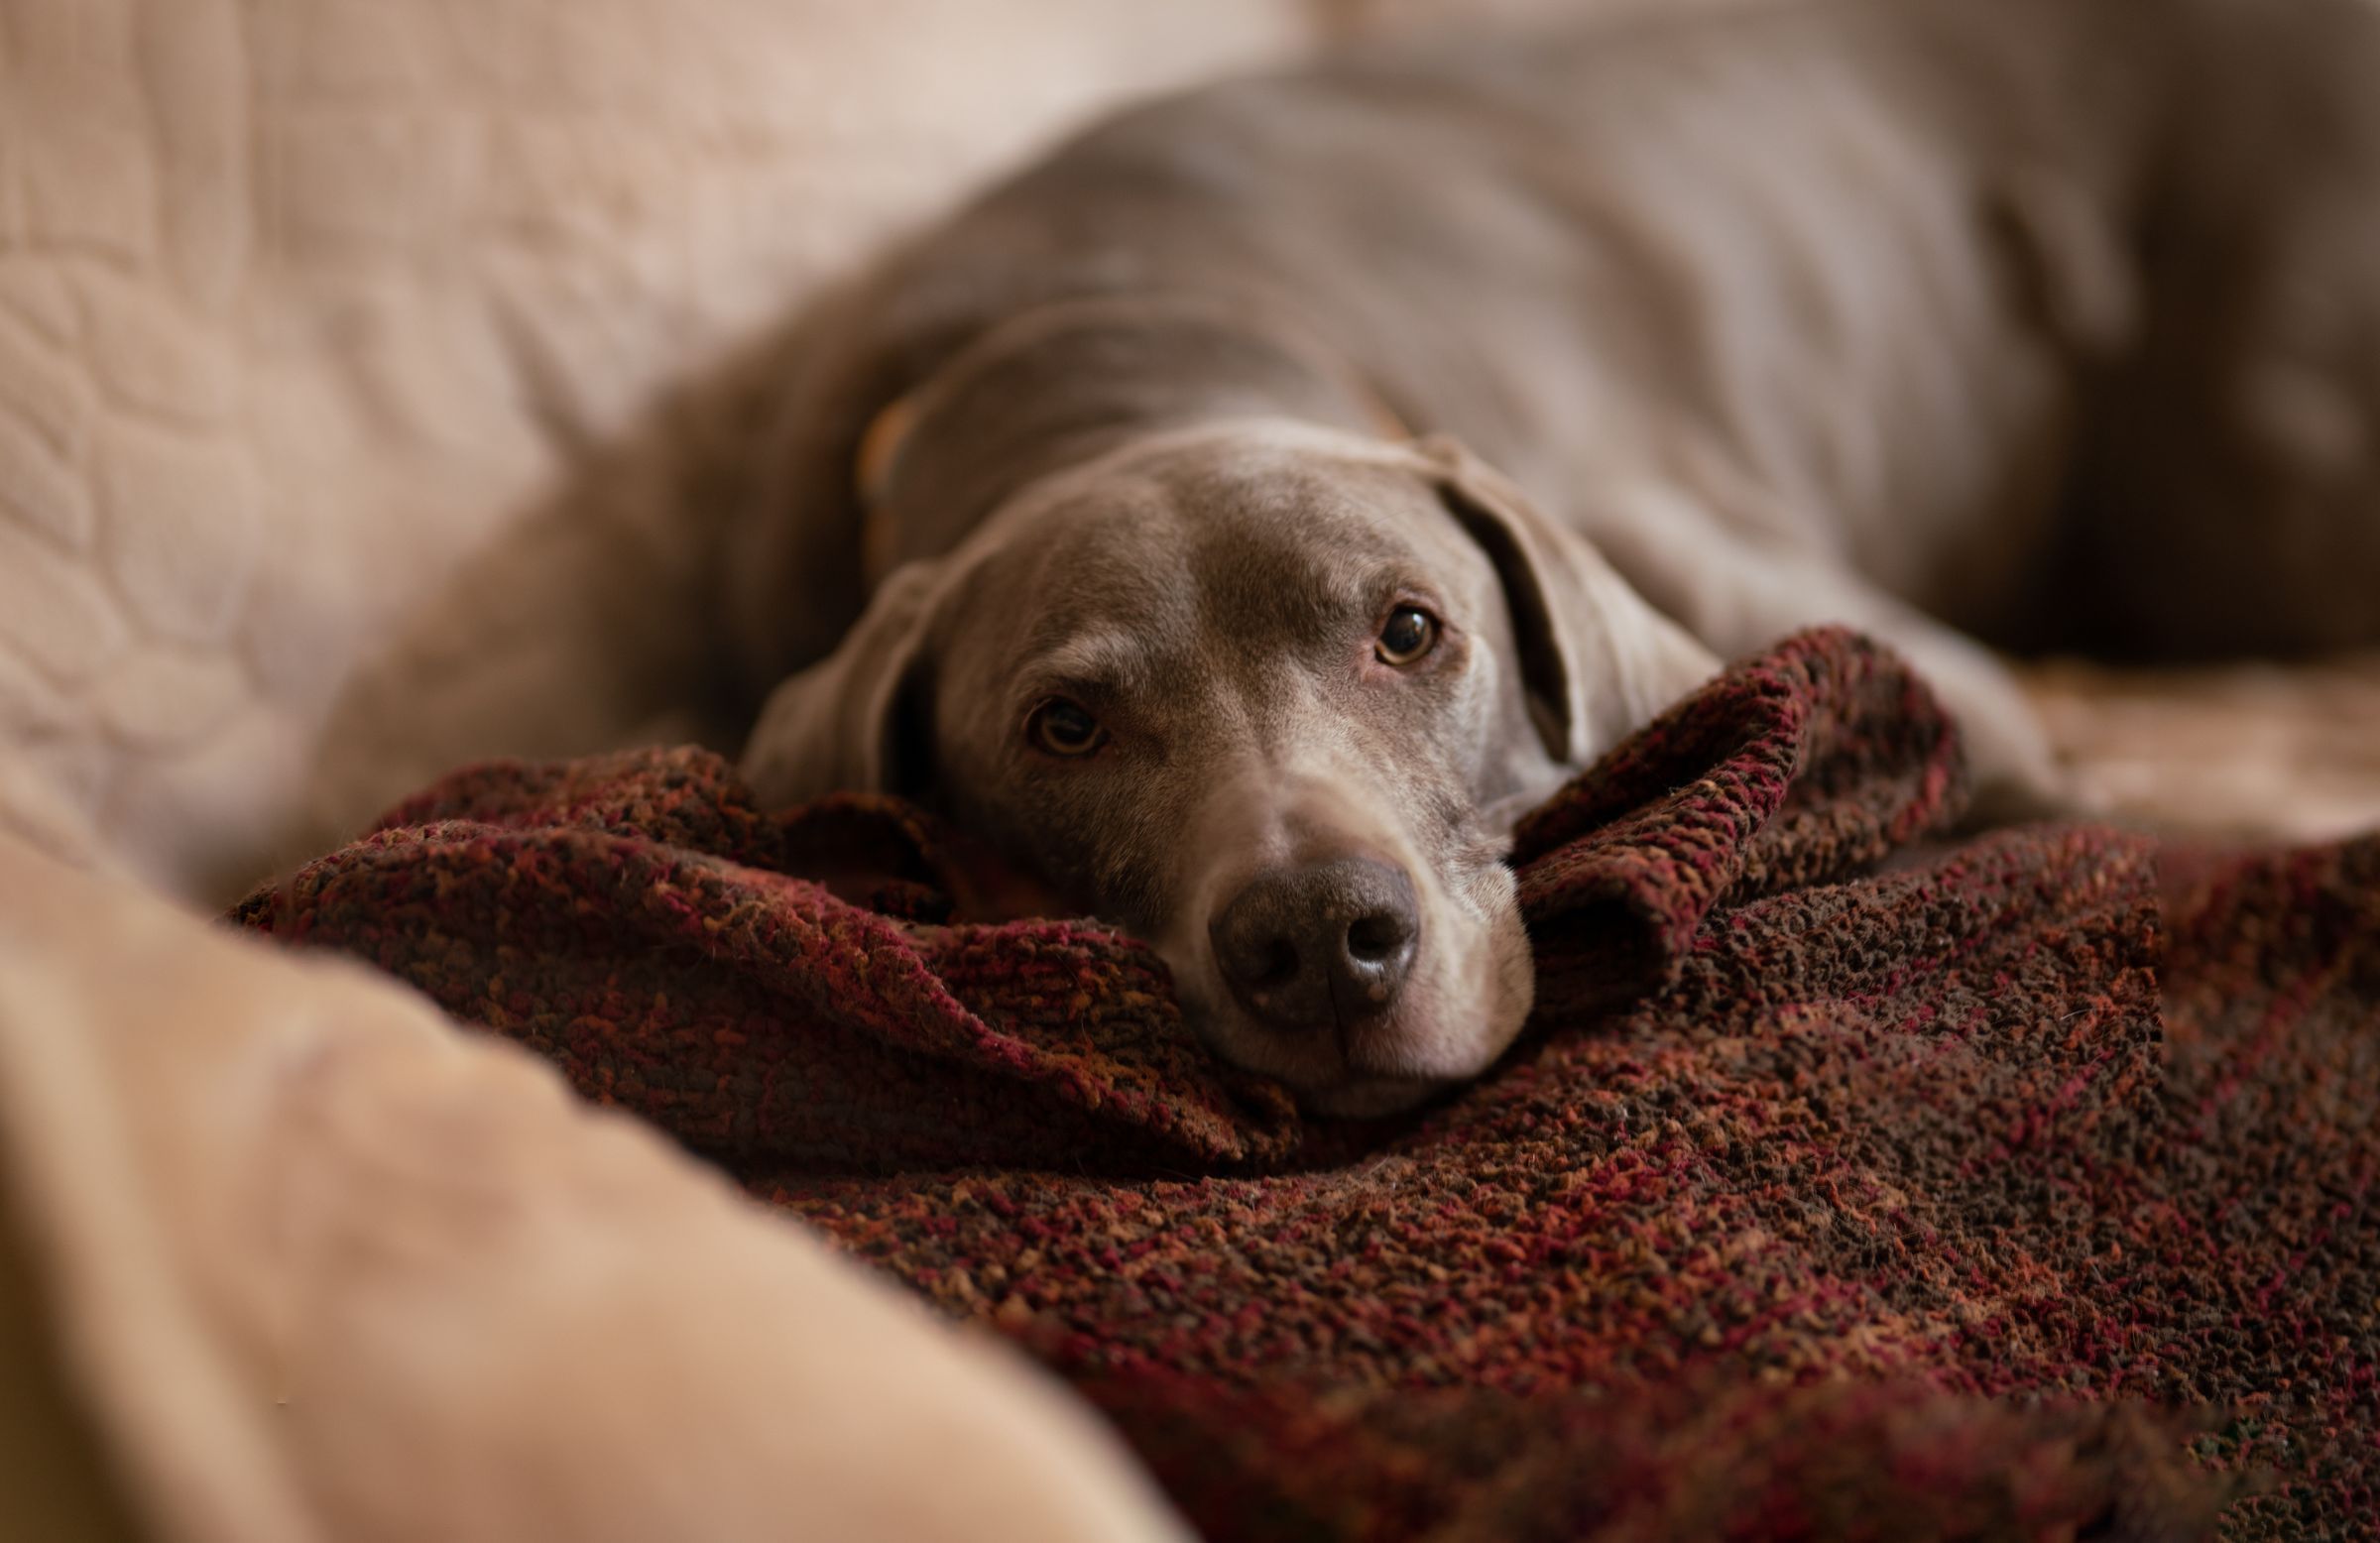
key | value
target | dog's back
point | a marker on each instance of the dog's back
(1977, 298)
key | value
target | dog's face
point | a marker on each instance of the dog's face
(1266, 698)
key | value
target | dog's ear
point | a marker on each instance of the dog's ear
(1598, 660)
(852, 722)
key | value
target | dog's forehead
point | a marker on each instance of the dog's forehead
(1191, 562)
(1276, 476)
(1103, 557)
(1248, 525)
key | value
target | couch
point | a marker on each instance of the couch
(373, 375)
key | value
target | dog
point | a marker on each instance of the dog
(1238, 515)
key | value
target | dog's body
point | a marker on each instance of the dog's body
(2042, 322)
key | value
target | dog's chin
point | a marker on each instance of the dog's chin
(1403, 1064)
(1325, 1081)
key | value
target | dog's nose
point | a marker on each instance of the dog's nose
(1311, 946)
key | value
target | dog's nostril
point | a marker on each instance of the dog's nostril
(1375, 938)
(1275, 964)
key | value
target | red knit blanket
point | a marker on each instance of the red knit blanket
(1838, 1187)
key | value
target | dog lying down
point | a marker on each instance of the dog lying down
(1265, 496)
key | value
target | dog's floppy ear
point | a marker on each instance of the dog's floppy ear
(848, 723)
(1597, 659)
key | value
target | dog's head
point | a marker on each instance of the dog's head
(1267, 696)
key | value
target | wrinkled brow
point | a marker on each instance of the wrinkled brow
(1115, 660)
(1297, 570)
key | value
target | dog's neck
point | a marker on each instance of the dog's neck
(1059, 384)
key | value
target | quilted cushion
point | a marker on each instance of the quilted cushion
(322, 1267)
(303, 304)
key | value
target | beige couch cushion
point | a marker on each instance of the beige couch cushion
(325, 1267)
(303, 304)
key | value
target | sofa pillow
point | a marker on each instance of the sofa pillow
(303, 307)
(322, 1267)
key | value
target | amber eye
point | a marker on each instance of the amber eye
(1409, 633)
(1063, 728)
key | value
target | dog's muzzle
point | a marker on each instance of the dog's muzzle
(1320, 947)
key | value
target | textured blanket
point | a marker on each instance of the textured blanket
(1843, 1185)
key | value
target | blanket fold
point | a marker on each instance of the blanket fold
(634, 918)
(1825, 1195)
(1810, 763)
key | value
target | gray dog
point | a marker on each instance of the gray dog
(2048, 323)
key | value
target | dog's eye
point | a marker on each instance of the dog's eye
(1409, 633)
(1063, 728)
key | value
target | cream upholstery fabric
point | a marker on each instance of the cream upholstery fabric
(2287, 754)
(325, 1267)
(304, 304)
